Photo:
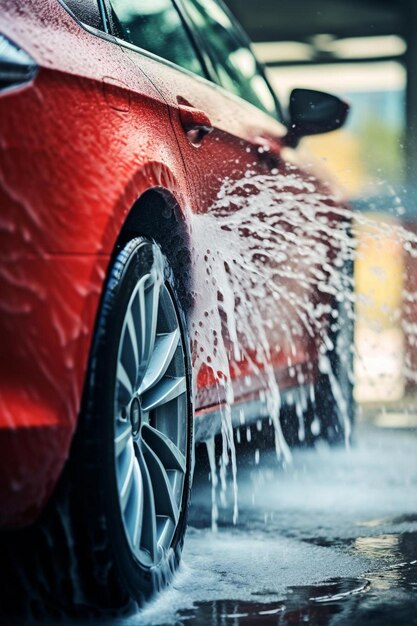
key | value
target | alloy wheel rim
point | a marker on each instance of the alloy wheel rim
(150, 427)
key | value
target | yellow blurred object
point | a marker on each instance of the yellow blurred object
(379, 341)
(378, 271)
(340, 151)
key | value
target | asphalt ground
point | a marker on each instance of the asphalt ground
(330, 539)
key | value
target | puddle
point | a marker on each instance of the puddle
(383, 598)
(381, 547)
(405, 519)
(408, 518)
(302, 604)
(326, 542)
(310, 547)
(382, 595)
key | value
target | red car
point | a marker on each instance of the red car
(134, 137)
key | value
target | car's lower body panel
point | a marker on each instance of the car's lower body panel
(47, 314)
(243, 413)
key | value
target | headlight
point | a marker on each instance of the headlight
(16, 66)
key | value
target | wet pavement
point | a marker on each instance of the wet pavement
(331, 539)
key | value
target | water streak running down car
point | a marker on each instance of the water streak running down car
(167, 265)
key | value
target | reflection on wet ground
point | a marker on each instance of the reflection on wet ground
(384, 598)
(330, 541)
(301, 604)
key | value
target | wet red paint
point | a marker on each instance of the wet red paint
(98, 127)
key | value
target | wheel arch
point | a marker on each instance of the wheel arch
(157, 215)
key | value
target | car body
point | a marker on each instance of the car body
(100, 140)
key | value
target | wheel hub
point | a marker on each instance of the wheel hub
(135, 416)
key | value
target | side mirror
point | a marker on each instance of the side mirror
(312, 113)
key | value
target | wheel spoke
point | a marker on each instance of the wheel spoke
(141, 313)
(162, 355)
(148, 539)
(167, 452)
(133, 352)
(167, 389)
(149, 299)
(128, 359)
(126, 480)
(134, 512)
(165, 504)
(123, 378)
(122, 438)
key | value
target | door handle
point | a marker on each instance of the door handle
(195, 123)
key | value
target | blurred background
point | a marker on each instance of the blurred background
(366, 52)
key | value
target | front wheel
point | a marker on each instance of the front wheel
(113, 533)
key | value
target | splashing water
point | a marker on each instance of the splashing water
(273, 279)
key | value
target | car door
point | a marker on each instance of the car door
(229, 139)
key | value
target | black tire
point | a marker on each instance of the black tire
(334, 408)
(330, 416)
(78, 558)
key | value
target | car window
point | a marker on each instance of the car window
(156, 26)
(234, 62)
(87, 11)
